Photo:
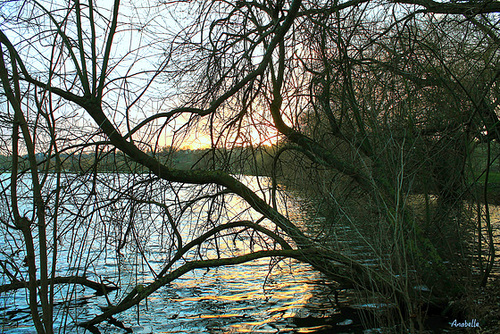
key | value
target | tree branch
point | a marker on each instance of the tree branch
(100, 288)
(466, 8)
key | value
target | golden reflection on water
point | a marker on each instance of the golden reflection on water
(211, 316)
(250, 327)
(313, 329)
(257, 293)
(247, 299)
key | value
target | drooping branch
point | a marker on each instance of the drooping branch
(141, 292)
(220, 228)
(314, 150)
(93, 106)
(100, 288)
(349, 272)
(453, 7)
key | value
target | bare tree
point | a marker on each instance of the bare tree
(349, 89)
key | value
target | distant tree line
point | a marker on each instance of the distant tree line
(117, 162)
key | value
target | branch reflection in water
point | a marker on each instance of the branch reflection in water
(260, 296)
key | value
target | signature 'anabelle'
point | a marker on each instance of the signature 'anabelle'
(466, 323)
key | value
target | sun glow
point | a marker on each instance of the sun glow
(200, 138)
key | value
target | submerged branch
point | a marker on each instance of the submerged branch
(348, 272)
(141, 292)
(100, 288)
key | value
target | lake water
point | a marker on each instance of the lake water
(95, 219)
(262, 296)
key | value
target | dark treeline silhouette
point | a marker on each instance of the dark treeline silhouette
(383, 113)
